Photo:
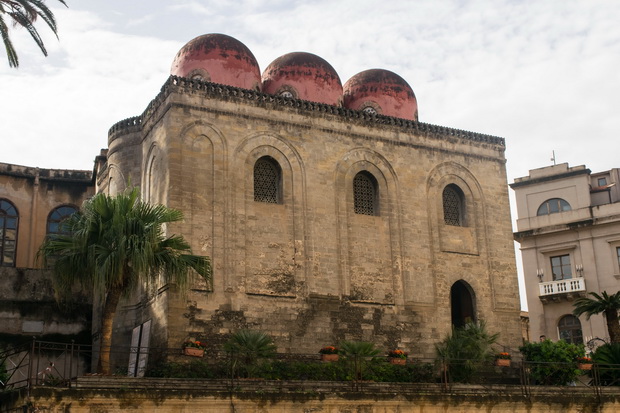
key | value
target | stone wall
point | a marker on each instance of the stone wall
(112, 395)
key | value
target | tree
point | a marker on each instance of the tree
(603, 303)
(24, 13)
(114, 244)
(552, 362)
(357, 354)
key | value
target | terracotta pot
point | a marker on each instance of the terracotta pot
(502, 362)
(396, 360)
(329, 357)
(193, 351)
(584, 366)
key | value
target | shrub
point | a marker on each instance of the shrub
(607, 358)
(464, 351)
(247, 349)
(552, 362)
(356, 355)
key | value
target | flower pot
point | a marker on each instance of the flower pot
(329, 357)
(193, 352)
(398, 361)
(584, 366)
(502, 362)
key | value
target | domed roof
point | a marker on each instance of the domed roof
(381, 91)
(220, 59)
(303, 76)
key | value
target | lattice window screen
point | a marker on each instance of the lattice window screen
(266, 181)
(364, 195)
(452, 207)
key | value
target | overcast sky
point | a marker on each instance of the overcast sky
(542, 74)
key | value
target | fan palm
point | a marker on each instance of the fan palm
(247, 347)
(358, 353)
(24, 13)
(603, 303)
(113, 245)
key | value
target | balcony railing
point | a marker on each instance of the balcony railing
(571, 285)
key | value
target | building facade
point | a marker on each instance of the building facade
(568, 228)
(329, 212)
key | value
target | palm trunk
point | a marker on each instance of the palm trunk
(613, 326)
(107, 320)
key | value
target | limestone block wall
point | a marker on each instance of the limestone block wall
(309, 270)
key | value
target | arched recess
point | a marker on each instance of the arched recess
(117, 182)
(198, 187)
(154, 177)
(466, 238)
(462, 304)
(270, 238)
(369, 245)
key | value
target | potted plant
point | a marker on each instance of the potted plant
(503, 359)
(329, 353)
(584, 363)
(397, 357)
(194, 348)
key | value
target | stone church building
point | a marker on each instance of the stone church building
(329, 211)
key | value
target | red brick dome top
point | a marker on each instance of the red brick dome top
(304, 76)
(383, 92)
(220, 59)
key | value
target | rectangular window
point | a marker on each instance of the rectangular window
(560, 267)
(618, 255)
(602, 181)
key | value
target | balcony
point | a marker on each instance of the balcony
(563, 289)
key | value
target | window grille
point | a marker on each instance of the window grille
(364, 194)
(8, 233)
(266, 181)
(452, 207)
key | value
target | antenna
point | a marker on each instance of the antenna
(553, 157)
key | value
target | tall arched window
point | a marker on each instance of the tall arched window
(8, 233)
(453, 206)
(569, 329)
(267, 181)
(553, 206)
(365, 194)
(56, 217)
(462, 304)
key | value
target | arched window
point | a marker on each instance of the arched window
(569, 329)
(365, 194)
(267, 181)
(553, 206)
(8, 233)
(462, 304)
(56, 217)
(453, 206)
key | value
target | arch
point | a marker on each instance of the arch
(553, 206)
(267, 180)
(365, 194)
(9, 218)
(462, 304)
(569, 329)
(453, 201)
(57, 216)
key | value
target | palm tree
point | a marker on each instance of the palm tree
(603, 303)
(247, 347)
(113, 245)
(358, 353)
(24, 13)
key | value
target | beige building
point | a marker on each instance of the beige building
(329, 211)
(569, 229)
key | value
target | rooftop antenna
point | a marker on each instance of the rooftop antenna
(553, 157)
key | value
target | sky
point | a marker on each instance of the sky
(541, 74)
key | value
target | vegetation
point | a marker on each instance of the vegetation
(24, 13)
(603, 303)
(356, 355)
(465, 350)
(247, 348)
(607, 358)
(113, 245)
(552, 362)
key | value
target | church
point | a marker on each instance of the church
(329, 211)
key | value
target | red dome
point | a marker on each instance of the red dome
(303, 76)
(381, 91)
(220, 59)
